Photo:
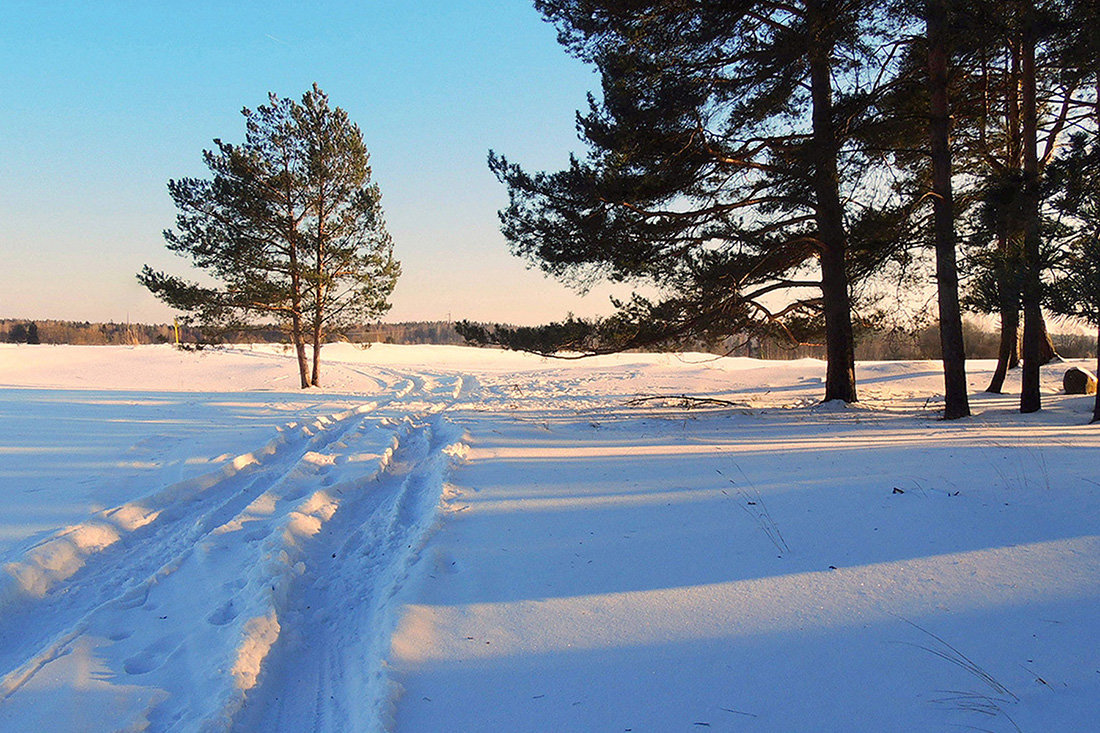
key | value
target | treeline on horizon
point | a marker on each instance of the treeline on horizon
(86, 333)
(917, 342)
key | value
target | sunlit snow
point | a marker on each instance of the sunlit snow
(450, 539)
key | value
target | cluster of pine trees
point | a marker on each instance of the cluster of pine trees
(86, 333)
(406, 332)
(289, 226)
(762, 165)
(19, 332)
(895, 343)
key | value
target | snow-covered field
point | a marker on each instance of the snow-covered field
(447, 539)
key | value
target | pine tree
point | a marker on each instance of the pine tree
(351, 270)
(939, 53)
(722, 170)
(289, 227)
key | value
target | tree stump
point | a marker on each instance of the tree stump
(1079, 381)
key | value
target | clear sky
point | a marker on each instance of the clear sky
(103, 102)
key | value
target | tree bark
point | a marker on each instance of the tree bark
(1096, 404)
(1007, 354)
(1030, 399)
(1096, 314)
(840, 371)
(318, 294)
(316, 377)
(319, 275)
(296, 334)
(1007, 237)
(956, 402)
(292, 241)
(1047, 352)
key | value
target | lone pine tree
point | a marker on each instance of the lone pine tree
(289, 227)
(722, 171)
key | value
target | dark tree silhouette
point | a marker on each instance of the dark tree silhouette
(723, 170)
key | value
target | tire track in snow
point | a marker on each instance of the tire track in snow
(436, 391)
(260, 583)
(338, 621)
(97, 578)
(197, 595)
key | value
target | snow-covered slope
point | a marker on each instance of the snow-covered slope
(453, 539)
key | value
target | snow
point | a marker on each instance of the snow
(445, 538)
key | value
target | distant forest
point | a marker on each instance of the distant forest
(917, 343)
(86, 333)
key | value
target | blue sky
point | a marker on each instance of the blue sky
(103, 102)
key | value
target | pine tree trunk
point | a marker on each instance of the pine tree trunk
(1007, 354)
(292, 241)
(317, 328)
(296, 334)
(1096, 404)
(956, 403)
(300, 349)
(1030, 399)
(1047, 352)
(319, 287)
(316, 381)
(840, 371)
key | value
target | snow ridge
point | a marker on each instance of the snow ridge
(60, 556)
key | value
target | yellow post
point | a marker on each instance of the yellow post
(176, 324)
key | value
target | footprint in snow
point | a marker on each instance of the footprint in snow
(223, 615)
(151, 658)
(120, 634)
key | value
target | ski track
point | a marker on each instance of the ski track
(230, 592)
